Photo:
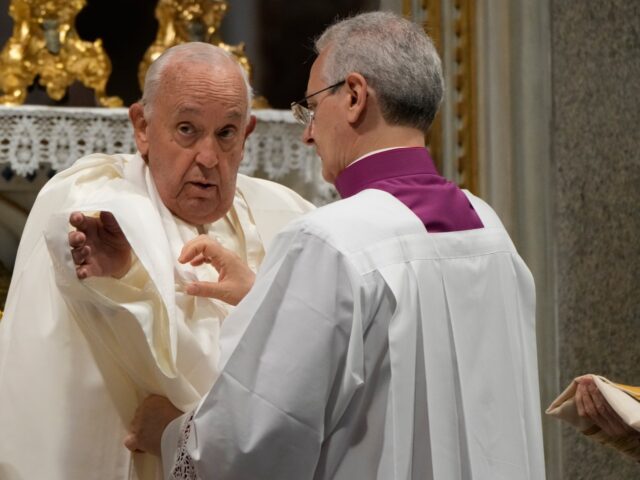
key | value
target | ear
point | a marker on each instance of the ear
(139, 123)
(358, 95)
(251, 126)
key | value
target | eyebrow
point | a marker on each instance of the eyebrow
(188, 109)
(234, 114)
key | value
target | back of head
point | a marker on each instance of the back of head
(397, 59)
(190, 53)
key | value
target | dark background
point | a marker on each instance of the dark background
(278, 35)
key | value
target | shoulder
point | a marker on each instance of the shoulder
(487, 215)
(93, 166)
(91, 176)
(356, 223)
(100, 160)
(268, 195)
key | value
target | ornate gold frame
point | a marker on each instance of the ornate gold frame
(181, 21)
(464, 74)
(45, 44)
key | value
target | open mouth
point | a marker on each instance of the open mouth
(203, 185)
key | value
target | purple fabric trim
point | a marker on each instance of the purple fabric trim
(409, 175)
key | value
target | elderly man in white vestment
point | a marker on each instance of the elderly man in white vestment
(76, 357)
(389, 335)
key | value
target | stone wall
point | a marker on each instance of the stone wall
(595, 136)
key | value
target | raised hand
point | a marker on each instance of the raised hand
(235, 278)
(98, 246)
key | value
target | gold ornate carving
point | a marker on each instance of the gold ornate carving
(5, 280)
(45, 44)
(466, 104)
(183, 21)
(460, 31)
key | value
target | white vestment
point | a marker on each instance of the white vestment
(76, 357)
(371, 349)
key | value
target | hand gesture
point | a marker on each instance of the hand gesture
(151, 418)
(591, 404)
(98, 246)
(235, 279)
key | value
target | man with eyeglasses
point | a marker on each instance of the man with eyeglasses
(389, 335)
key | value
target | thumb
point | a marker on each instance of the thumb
(207, 289)
(110, 223)
(202, 245)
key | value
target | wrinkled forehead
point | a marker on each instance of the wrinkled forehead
(199, 83)
(223, 73)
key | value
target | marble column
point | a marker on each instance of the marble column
(559, 110)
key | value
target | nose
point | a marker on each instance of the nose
(307, 135)
(206, 154)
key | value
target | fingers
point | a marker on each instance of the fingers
(610, 421)
(584, 404)
(579, 399)
(199, 259)
(85, 266)
(80, 252)
(235, 277)
(82, 222)
(231, 292)
(77, 239)
(592, 404)
(76, 219)
(82, 272)
(202, 246)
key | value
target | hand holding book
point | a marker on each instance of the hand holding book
(605, 411)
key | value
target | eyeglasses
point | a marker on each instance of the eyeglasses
(301, 111)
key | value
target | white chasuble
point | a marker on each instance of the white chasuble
(372, 349)
(77, 357)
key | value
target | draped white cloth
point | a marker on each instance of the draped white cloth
(371, 349)
(76, 357)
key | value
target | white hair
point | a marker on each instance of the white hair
(192, 52)
(397, 59)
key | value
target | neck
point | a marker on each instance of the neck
(391, 136)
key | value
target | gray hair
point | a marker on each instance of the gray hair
(191, 52)
(397, 59)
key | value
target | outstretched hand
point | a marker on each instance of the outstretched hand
(98, 246)
(235, 278)
(591, 404)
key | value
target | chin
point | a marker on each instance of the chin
(199, 218)
(201, 210)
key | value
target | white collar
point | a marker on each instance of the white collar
(374, 152)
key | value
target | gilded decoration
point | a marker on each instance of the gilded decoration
(45, 44)
(182, 21)
(458, 30)
(466, 106)
(5, 280)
